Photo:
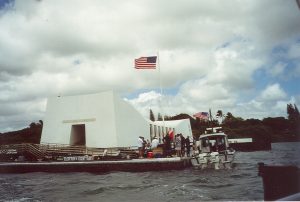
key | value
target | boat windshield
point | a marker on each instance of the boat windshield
(213, 144)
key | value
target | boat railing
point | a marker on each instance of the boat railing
(40, 151)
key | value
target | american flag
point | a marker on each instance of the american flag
(201, 115)
(145, 62)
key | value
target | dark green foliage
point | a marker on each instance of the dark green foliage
(277, 123)
(232, 122)
(32, 134)
(252, 121)
(182, 116)
(294, 119)
(277, 129)
(236, 127)
(151, 116)
(159, 117)
(167, 117)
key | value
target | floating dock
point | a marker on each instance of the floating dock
(23, 158)
(133, 165)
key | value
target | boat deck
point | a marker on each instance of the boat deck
(133, 165)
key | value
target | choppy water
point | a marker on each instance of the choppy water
(239, 183)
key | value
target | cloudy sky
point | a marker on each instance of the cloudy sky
(238, 56)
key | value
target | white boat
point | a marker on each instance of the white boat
(213, 150)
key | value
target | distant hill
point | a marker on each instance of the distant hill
(181, 116)
(32, 134)
(277, 129)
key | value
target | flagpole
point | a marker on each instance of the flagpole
(161, 93)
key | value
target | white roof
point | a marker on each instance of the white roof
(212, 135)
(239, 140)
(172, 123)
(182, 126)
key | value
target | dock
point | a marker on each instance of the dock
(133, 165)
(24, 158)
(280, 181)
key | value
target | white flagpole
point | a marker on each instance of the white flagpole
(161, 93)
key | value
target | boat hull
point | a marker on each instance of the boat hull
(213, 160)
(134, 165)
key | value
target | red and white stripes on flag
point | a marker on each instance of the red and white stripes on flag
(145, 62)
(201, 115)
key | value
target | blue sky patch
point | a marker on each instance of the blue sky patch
(3, 3)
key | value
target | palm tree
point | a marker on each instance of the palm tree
(152, 118)
(220, 115)
(159, 117)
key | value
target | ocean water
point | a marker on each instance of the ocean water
(239, 183)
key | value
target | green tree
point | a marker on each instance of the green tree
(159, 117)
(294, 119)
(229, 115)
(167, 117)
(277, 124)
(152, 118)
(232, 122)
(293, 112)
(219, 115)
(32, 125)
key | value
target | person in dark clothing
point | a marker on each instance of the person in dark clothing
(188, 145)
(167, 145)
(182, 145)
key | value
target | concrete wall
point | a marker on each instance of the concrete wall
(130, 124)
(109, 121)
(181, 126)
(96, 111)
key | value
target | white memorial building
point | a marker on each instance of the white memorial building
(101, 120)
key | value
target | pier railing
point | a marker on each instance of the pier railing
(42, 151)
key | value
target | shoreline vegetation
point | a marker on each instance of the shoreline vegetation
(267, 130)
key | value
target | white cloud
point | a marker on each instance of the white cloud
(272, 93)
(208, 51)
(147, 97)
(294, 51)
(278, 69)
(297, 71)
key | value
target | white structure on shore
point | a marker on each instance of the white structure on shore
(101, 120)
(182, 126)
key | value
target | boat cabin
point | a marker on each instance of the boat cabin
(216, 142)
(213, 130)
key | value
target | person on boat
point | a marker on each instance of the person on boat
(140, 146)
(148, 144)
(167, 145)
(206, 146)
(144, 147)
(171, 134)
(154, 143)
(178, 145)
(196, 145)
(147, 147)
(221, 144)
(188, 145)
(213, 146)
(182, 145)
